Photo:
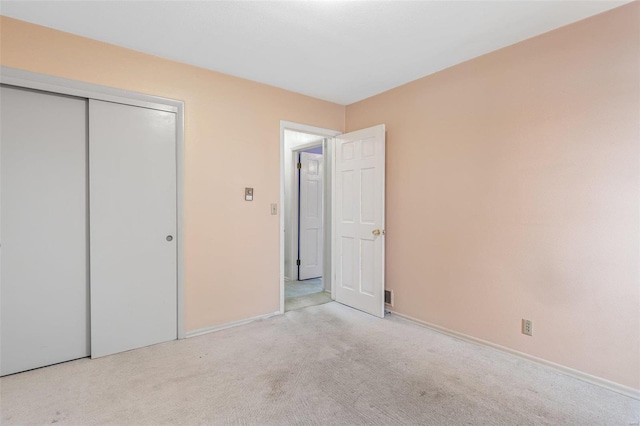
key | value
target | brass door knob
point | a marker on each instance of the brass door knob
(376, 232)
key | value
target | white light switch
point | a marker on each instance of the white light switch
(274, 208)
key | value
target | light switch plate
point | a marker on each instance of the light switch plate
(274, 208)
(248, 194)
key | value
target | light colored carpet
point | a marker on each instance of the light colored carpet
(302, 294)
(325, 364)
(302, 288)
(300, 302)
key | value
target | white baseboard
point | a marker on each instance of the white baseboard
(595, 380)
(219, 327)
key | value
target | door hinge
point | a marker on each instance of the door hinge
(299, 165)
(298, 262)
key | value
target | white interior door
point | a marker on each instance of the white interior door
(310, 234)
(358, 219)
(43, 278)
(132, 163)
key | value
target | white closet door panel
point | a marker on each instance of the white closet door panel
(132, 154)
(44, 288)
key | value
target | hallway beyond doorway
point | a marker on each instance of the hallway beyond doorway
(301, 294)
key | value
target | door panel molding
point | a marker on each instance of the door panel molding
(358, 236)
(311, 217)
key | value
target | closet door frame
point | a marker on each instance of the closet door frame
(31, 80)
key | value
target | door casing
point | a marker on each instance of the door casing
(327, 145)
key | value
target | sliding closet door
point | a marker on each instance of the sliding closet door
(44, 289)
(132, 163)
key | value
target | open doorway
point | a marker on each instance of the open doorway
(353, 208)
(305, 285)
(306, 215)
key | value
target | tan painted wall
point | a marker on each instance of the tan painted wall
(232, 140)
(513, 192)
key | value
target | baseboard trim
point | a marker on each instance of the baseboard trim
(220, 327)
(576, 374)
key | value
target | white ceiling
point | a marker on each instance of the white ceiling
(340, 51)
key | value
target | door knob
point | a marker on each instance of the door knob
(376, 232)
(169, 237)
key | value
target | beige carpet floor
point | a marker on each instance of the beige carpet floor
(302, 294)
(302, 288)
(325, 364)
(300, 302)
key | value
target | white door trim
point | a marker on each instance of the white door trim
(31, 80)
(328, 152)
(48, 83)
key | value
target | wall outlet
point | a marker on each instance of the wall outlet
(388, 297)
(527, 327)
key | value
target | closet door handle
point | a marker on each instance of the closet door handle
(169, 237)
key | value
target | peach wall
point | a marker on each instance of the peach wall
(232, 140)
(512, 184)
(512, 192)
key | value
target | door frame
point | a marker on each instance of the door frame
(47, 83)
(327, 146)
